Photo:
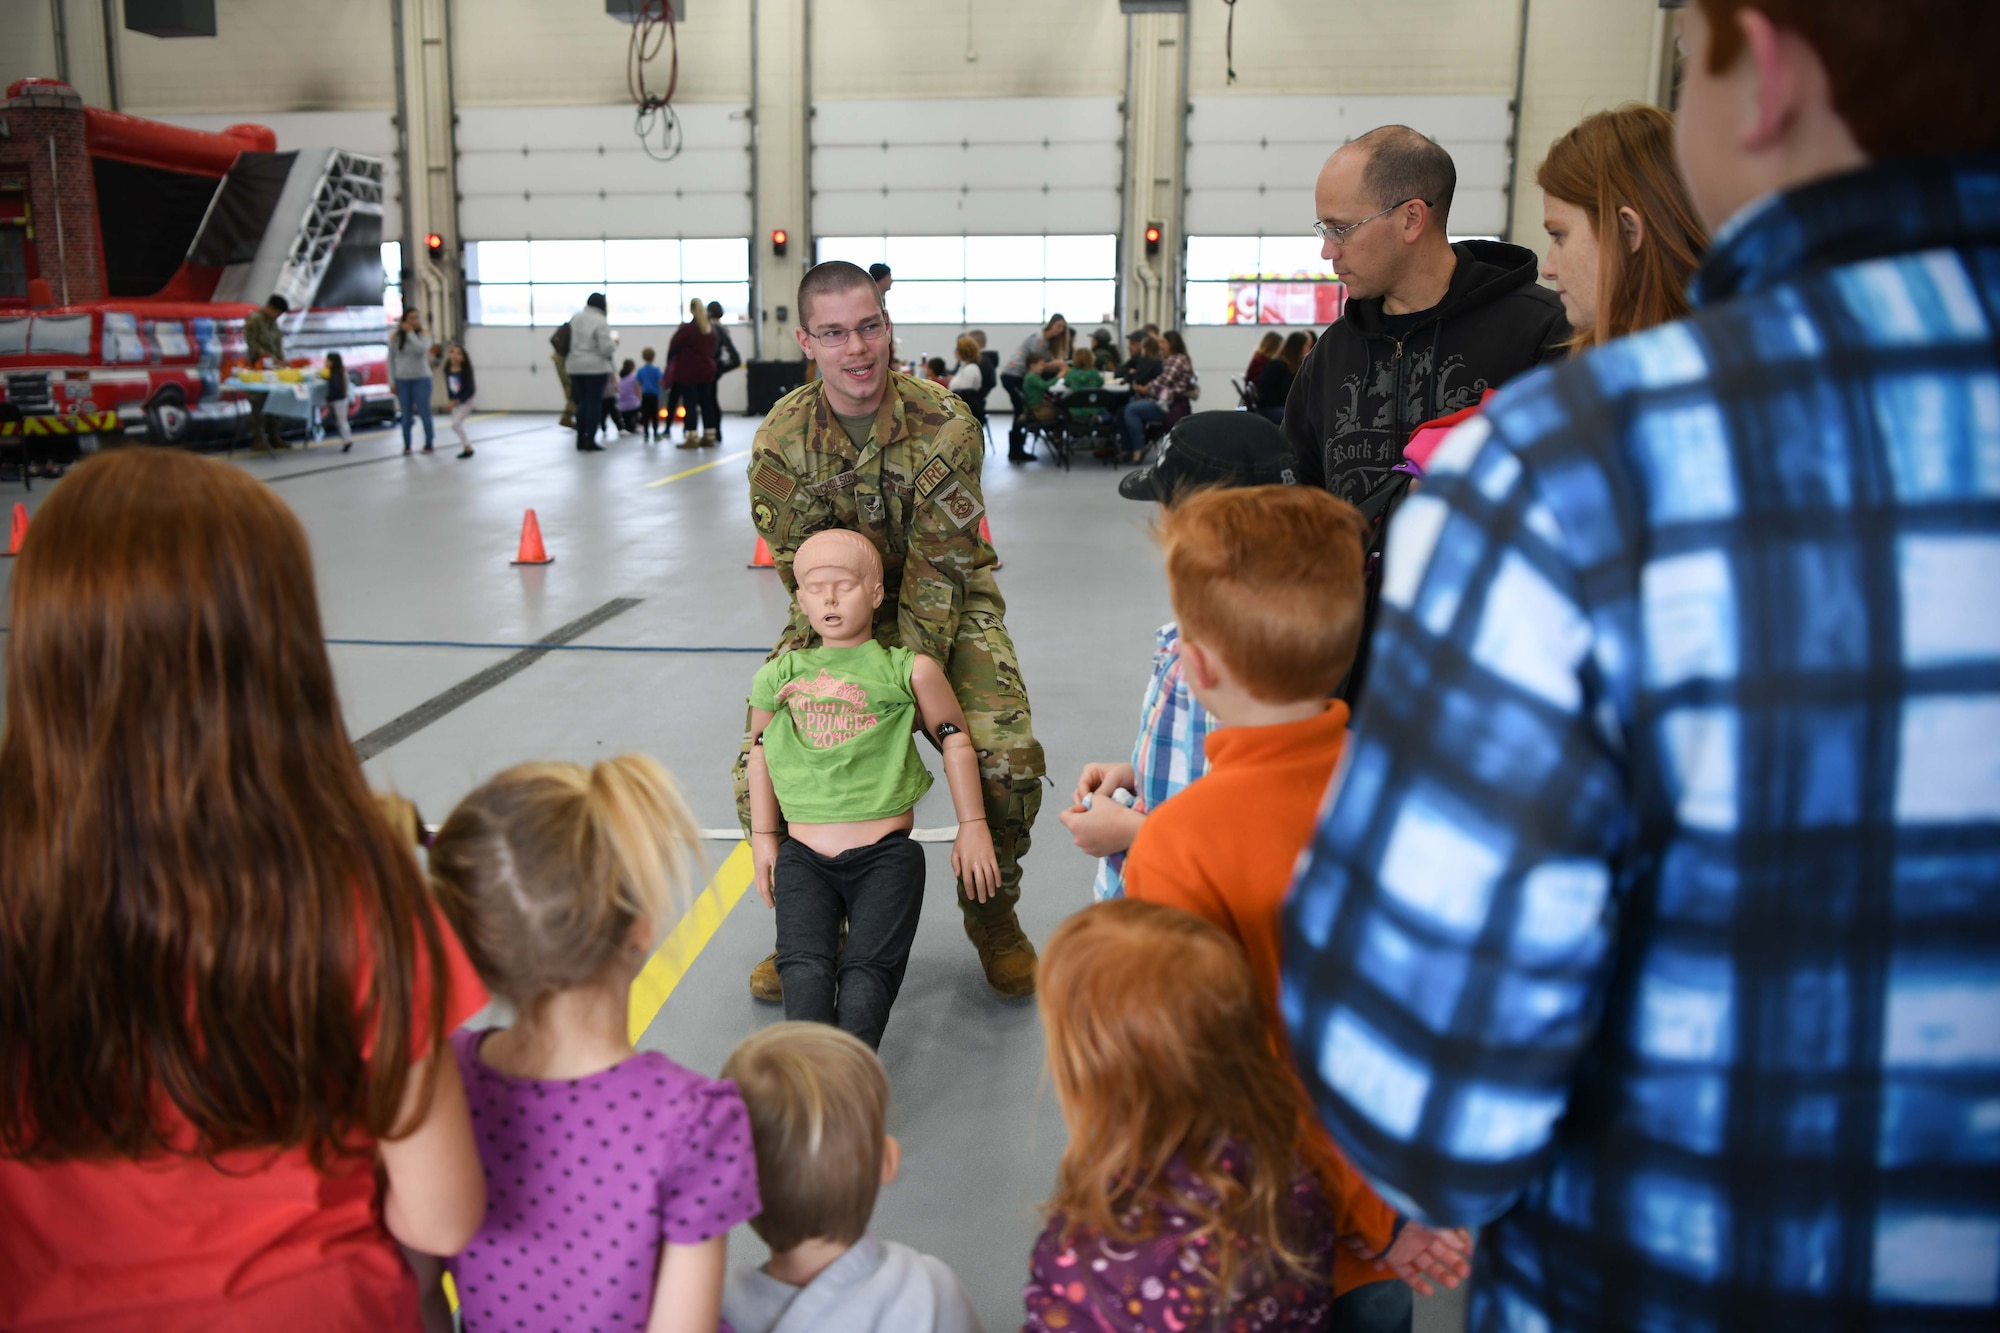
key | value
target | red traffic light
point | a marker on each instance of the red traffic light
(434, 242)
(1152, 236)
(778, 238)
(1152, 239)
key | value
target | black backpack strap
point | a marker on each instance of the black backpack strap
(1376, 510)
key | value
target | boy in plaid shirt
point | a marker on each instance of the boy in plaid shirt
(1210, 449)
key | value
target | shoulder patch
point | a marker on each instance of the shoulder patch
(769, 477)
(959, 504)
(933, 476)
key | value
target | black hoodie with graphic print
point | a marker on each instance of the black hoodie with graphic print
(1374, 378)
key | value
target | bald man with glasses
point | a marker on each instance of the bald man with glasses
(897, 459)
(1429, 325)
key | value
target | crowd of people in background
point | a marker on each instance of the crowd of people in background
(643, 397)
(1609, 865)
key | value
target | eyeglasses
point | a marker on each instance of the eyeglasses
(871, 331)
(1327, 231)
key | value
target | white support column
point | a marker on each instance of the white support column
(430, 168)
(781, 108)
(1155, 159)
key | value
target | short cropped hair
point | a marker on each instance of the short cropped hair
(1269, 578)
(835, 275)
(879, 272)
(279, 303)
(1405, 165)
(819, 1111)
(1892, 68)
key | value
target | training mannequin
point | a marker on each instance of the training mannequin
(833, 759)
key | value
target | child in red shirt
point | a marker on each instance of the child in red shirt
(226, 986)
(1266, 583)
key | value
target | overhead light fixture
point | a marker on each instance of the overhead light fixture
(171, 18)
(1152, 6)
(628, 11)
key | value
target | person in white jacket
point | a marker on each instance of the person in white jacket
(590, 359)
(819, 1106)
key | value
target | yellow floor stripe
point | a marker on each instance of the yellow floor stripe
(713, 462)
(685, 942)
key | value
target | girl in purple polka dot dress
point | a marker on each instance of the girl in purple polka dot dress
(612, 1177)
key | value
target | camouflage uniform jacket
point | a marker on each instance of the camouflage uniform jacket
(261, 334)
(913, 490)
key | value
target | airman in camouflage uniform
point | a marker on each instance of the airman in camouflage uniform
(264, 342)
(913, 489)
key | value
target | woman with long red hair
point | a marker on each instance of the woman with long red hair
(1182, 1200)
(1624, 237)
(223, 986)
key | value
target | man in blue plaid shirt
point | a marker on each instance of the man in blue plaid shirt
(1656, 922)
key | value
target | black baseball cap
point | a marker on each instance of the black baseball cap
(1214, 449)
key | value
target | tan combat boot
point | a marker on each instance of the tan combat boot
(764, 981)
(1006, 954)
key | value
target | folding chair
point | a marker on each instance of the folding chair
(1051, 431)
(1099, 429)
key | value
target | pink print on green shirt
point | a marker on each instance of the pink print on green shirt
(827, 711)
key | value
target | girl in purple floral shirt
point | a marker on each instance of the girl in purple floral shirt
(1181, 1202)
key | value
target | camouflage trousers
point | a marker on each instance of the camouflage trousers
(986, 677)
(569, 395)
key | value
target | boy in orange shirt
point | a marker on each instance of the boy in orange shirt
(1266, 583)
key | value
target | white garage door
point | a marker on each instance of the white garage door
(978, 166)
(1252, 160)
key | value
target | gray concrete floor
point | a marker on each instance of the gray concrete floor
(413, 553)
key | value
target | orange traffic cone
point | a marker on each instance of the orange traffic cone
(761, 557)
(17, 531)
(531, 552)
(986, 535)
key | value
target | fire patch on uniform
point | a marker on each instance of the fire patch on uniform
(959, 504)
(933, 476)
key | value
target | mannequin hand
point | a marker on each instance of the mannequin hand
(763, 857)
(973, 861)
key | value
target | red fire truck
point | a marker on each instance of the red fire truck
(131, 251)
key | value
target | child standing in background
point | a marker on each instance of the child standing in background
(649, 397)
(628, 396)
(459, 388)
(613, 1177)
(339, 400)
(819, 1111)
(1181, 1202)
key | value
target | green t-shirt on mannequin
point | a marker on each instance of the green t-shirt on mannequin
(840, 746)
